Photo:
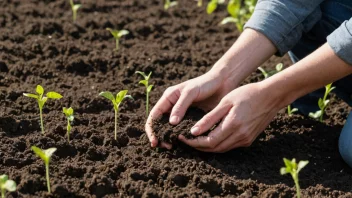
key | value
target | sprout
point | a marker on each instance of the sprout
(148, 88)
(42, 100)
(69, 116)
(45, 155)
(266, 74)
(291, 111)
(74, 8)
(117, 34)
(213, 4)
(322, 103)
(6, 185)
(293, 169)
(168, 4)
(239, 14)
(200, 3)
(116, 102)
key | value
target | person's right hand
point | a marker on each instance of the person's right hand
(205, 92)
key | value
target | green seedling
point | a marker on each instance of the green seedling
(74, 8)
(266, 74)
(69, 116)
(322, 103)
(200, 3)
(45, 155)
(290, 111)
(6, 185)
(213, 4)
(117, 34)
(42, 100)
(293, 168)
(116, 102)
(168, 4)
(148, 88)
(239, 12)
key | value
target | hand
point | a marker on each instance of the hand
(204, 92)
(245, 113)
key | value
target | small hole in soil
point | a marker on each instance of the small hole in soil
(180, 180)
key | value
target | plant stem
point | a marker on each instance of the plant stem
(117, 44)
(47, 176)
(74, 15)
(147, 105)
(115, 124)
(298, 189)
(68, 131)
(41, 120)
(2, 193)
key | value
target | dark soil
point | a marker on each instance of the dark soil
(39, 44)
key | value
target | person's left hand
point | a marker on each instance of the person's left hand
(244, 113)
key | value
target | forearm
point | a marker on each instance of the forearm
(249, 51)
(313, 72)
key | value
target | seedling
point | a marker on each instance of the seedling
(213, 4)
(69, 116)
(200, 3)
(45, 155)
(239, 13)
(148, 88)
(74, 8)
(266, 74)
(293, 168)
(6, 185)
(322, 103)
(290, 111)
(168, 4)
(42, 100)
(117, 34)
(116, 102)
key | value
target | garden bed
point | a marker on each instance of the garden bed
(39, 44)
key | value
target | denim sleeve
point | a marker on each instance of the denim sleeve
(341, 41)
(284, 21)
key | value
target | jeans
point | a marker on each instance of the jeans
(334, 12)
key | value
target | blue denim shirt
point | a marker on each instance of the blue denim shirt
(284, 22)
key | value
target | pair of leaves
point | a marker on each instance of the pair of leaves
(45, 155)
(74, 7)
(212, 5)
(278, 68)
(7, 184)
(68, 113)
(41, 100)
(119, 97)
(145, 82)
(168, 4)
(117, 34)
(292, 167)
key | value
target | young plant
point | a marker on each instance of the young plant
(117, 34)
(293, 168)
(74, 8)
(42, 100)
(322, 103)
(69, 116)
(239, 13)
(45, 155)
(148, 88)
(168, 4)
(213, 4)
(266, 74)
(116, 102)
(290, 111)
(6, 185)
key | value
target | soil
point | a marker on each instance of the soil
(39, 44)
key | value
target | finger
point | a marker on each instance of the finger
(210, 119)
(149, 130)
(214, 138)
(181, 106)
(228, 144)
(165, 145)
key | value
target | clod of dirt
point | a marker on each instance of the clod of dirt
(169, 133)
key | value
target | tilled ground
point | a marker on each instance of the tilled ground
(39, 44)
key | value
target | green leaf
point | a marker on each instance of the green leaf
(71, 118)
(70, 111)
(122, 33)
(294, 110)
(233, 8)
(149, 88)
(229, 19)
(144, 82)
(148, 77)
(212, 5)
(49, 152)
(31, 95)
(283, 171)
(266, 75)
(10, 185)
(288, 164)
(76, 7)
(40, 153)
(108, 95)
(301, 165)
(315, 115)
(279, 67)
(40, 90)
(173, 3)
(142, 73)
(114, 33)
(3, 179)
(326, 102)
(53, 95)
(42, 101)
(129, 96)
(120, 96)
(321, 103)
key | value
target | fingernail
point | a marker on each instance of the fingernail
(174, 120)
(194, 130)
